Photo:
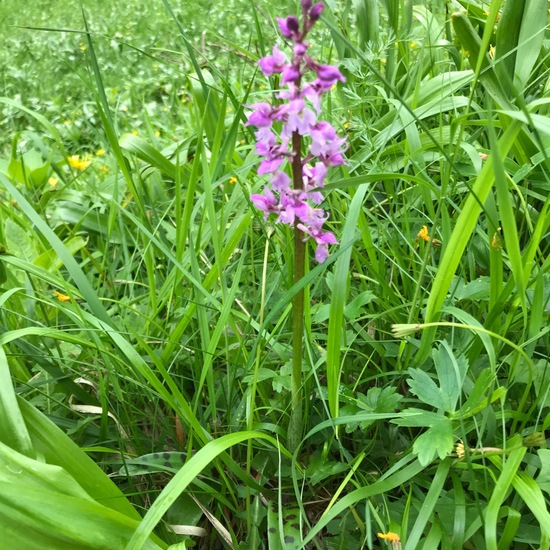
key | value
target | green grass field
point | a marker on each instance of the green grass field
(160, 384)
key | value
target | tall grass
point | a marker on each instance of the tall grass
(145, 320)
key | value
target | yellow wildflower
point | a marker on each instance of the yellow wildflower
(100, 152)
(157, 133)
(79, 163)
(62, 297)
(232, 180)
(82, 46)
(423, 234)
(53, 182)
(134, 132)
(392, 538)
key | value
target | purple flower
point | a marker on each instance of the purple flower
(277, 127)
(290, 74)
(266, 202)
(275, 63)
(269, 165)
(290, 27)
(294, 206)
(316, 11)
(329, 74)
(280, 181)
(261, 116)
(300, 118)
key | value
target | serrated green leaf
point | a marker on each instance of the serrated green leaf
(381, 399)
(436, 440)
(419, 418)
(353, 309)
(425, 389)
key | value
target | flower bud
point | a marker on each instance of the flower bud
(316, 11)
(290, 27)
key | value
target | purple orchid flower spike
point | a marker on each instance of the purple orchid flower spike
(297, 116)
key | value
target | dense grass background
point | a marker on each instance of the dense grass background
(145, 321)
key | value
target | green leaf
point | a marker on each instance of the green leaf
(36, 518)
(543, 479)
(425, 389)
(378, 400)
(436, 440)
(451, 373)
(418, 418)
(18, 241)
(287, 538)
(482, 384)
(354, 308)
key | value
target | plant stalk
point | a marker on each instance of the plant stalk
(295, 426)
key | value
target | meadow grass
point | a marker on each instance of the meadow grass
(146, 306)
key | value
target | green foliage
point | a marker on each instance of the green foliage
(145, 322)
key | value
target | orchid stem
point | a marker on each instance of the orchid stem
(295, 426)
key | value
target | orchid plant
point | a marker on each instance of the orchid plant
(280, 140)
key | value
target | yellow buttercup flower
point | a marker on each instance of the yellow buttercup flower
(79, 163)
(100, 152)
(233, 180)
(392, 538)
(53, 182)
(423, 234)
(62, 297)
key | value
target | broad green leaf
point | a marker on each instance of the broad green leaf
(20, 469)
(530, 40)
(13, 431)
(58, 449)
(543, 479)
(18, 241)
(336, 325)
(425, 389)
(418, 418)
(36, 518)
(438, 439)
(451, 372)
(354, 308)
(283, 528)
